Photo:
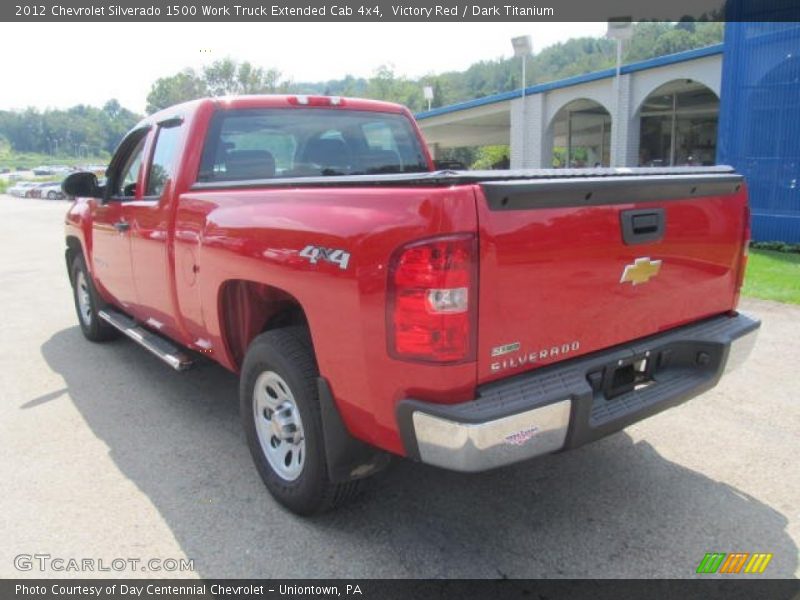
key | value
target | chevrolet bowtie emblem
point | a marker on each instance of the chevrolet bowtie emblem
(640, 271)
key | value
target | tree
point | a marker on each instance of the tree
(112, 108)
(566, 59)
(489, 157)
(385, 85)
(181, 87)
(224, 77)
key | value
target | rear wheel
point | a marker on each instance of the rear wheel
(281, 417)
(88, 304)
(51, 195)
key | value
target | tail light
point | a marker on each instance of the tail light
(432, 308)
(745, 251)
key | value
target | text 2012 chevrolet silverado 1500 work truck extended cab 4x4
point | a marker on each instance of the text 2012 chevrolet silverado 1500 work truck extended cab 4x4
(375, 306)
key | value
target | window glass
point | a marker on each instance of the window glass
(582, 135)
(679, 128)
(379, 136)
(126, 182)
(163, 163)
(265, 143)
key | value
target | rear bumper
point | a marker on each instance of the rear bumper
(566, 405)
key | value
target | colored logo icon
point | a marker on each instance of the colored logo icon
(734, 563)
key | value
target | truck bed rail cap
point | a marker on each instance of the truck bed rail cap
(437, 178)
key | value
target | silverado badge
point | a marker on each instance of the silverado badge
(640, 271)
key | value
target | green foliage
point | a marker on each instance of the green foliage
(183, 86)
(580, 154)
(28, 160)
(489, 157)
(566, 59)
(79, 131)
(777, 247)
(773, 276)
(225, 77)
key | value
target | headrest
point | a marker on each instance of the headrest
(249, 164)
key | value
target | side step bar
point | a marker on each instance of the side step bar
(163, 349)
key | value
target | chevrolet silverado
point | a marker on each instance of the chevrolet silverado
(375, 306)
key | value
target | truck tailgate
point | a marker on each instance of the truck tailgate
(572, 266)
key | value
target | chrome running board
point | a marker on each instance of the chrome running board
(162, 348)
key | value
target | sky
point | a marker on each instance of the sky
(58, 65)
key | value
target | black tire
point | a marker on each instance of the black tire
(92, 326)
(51, 195)
(287, 352)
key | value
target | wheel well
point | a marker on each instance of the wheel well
(248, 308)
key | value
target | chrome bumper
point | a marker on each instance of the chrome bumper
(481, 446)
(565, 405)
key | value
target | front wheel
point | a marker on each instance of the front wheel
(88, 304)
(281, 417)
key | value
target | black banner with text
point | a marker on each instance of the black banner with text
(398, 10)
(372, 589)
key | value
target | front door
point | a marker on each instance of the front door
(111, 250)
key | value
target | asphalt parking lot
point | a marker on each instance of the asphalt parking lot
(108, 454)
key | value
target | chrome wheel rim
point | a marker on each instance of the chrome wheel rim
(84, 299)
(279, 426)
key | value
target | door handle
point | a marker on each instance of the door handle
(640, 226)
(122, 226)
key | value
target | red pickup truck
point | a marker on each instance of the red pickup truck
(373, 305)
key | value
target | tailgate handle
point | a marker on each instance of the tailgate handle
(640, 226)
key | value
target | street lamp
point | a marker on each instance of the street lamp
(427, 91)
(523, 46)
(619, 29)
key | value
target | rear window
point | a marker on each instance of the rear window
(308, 142)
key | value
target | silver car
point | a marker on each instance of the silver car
(52, 191)
(21, 189)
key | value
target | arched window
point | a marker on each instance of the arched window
(679, 125)
(582, 135)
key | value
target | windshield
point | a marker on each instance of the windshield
(308, 142)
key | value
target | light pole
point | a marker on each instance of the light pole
(427, 91)
(619, 29)
(523, 46)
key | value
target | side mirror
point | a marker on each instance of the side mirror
(82, 184)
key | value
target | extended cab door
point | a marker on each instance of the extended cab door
(150, 219)
(111, 249)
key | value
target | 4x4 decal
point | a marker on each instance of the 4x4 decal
(314, 254)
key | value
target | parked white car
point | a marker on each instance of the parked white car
(52, 191)
(21, 189)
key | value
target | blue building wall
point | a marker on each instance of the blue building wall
(759, 126)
